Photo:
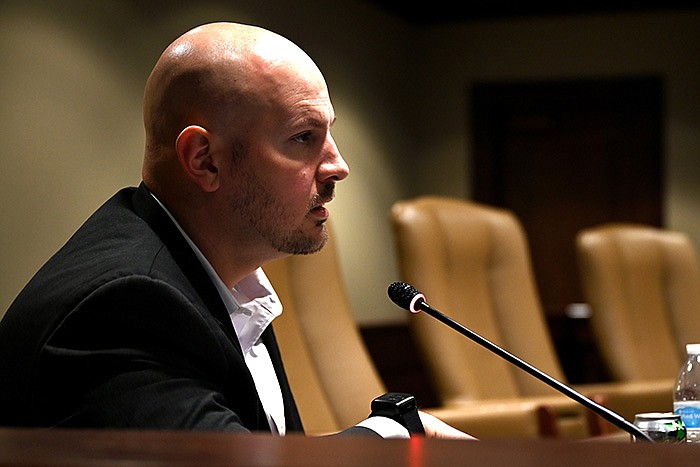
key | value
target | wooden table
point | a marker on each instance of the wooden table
(38, 447)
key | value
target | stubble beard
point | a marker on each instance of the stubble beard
(267, 216)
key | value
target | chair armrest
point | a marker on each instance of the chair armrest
(492, 419)
(556, 415)
(630, 398)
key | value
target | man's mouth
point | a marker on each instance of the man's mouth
(318, 209)
(320, 212)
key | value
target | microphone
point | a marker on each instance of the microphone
(408, 297)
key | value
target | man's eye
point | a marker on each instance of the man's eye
(303, 137)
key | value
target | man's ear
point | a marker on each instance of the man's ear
(194, 153)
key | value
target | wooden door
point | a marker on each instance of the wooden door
(564, 156)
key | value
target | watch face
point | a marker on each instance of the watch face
(395, 402)
(397, 397)
(407, 403)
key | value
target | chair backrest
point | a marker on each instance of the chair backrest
(643, 284)
(333, 389)
(472, 262)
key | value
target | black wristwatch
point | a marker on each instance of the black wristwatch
(400, 407)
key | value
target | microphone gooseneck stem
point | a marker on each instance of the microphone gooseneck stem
(607, 414)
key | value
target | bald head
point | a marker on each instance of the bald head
(238, 145)
(213, 76)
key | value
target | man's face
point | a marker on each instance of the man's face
(289, 165)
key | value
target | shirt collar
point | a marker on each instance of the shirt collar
(258, 306)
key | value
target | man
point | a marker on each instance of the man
(156, 313)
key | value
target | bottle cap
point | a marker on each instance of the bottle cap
(693, 349)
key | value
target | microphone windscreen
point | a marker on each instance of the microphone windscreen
(404, 295)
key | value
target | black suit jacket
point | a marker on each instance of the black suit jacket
(122, 328)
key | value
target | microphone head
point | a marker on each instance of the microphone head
(406, 296)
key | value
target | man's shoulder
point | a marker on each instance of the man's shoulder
(113, 235)
(113, 242)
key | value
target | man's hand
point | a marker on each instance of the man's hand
(436, 428)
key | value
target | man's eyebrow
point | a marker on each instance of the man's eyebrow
(310, 120)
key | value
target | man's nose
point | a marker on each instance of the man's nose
(333, 167)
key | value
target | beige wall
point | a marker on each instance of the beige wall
(72, 74)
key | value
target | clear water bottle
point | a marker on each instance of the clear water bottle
(686, 396)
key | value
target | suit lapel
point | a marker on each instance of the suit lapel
(291, 413)
(149, 210)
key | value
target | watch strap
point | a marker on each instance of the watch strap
(413, 423)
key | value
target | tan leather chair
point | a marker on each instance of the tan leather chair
(472, 262)
(330, 370)
(643, 284)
